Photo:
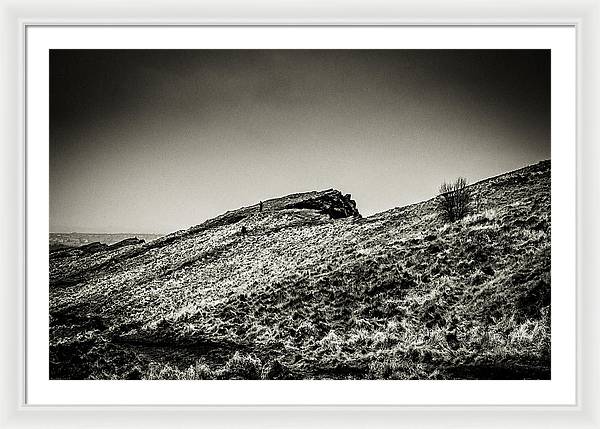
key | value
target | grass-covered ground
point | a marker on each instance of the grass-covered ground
(307, 294)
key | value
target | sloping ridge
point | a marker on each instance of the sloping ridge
(330, 202)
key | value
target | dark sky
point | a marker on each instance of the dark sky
(159, 140)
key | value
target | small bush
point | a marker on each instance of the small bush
(158, 371)
(275, 370)
(240, 366)
(198, 371)
(454, 200)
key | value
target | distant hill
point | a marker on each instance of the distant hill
(62, 240)
(307, 288)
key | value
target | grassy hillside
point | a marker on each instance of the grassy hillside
(312, 290)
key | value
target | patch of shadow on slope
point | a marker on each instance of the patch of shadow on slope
(498, 371)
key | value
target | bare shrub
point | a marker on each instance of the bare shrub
(242, 366)
(198, 371)
(454, 200)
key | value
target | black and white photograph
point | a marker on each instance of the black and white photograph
(299, 214)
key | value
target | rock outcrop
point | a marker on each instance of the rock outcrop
(330, 202)
(127, 242)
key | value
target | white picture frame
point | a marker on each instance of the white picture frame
(583, 16)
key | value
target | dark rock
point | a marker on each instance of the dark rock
(94, 247)
(477, 279)
(452, 340)
(434, 248)
(330, 202)
(487, 270)
(127, 242)
(134, 374)
(480, 255)
(275, 370)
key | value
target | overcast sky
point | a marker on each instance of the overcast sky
(156, 141)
